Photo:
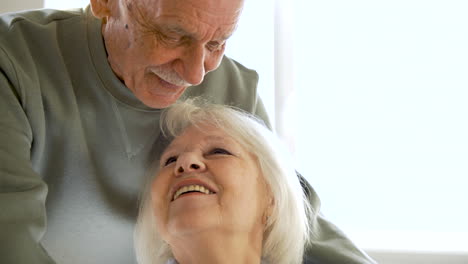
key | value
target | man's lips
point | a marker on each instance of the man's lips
(168, 84)
(160, 87)
(168, 77)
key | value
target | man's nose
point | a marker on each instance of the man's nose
(189, 163)
(195, 63)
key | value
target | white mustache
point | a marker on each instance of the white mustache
(169, 76)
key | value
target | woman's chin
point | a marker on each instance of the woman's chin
(192, 226)
(192, 214)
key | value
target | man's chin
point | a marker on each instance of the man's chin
(159, 101)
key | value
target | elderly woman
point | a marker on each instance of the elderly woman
(224, 192)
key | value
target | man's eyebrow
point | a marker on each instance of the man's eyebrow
(175, 29)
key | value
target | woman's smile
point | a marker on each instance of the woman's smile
(208, 182)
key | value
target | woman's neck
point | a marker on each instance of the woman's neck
(218, 248)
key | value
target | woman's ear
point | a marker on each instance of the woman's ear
(269, 209)
(100, 8)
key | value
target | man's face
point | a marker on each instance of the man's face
(160, 47)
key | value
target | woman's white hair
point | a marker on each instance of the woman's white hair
(287, 230)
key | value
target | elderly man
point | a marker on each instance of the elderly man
(80, 93)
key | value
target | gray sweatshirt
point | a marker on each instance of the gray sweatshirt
(75, 144)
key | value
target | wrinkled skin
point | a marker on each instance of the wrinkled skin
(158, 48)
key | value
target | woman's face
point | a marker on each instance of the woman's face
(208, 182)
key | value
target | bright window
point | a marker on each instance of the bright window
(382, 95)
(60, 4)
(381, 114)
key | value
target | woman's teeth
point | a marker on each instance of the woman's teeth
(191, 188)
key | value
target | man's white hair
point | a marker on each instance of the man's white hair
(287, 230)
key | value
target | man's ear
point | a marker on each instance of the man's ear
(100, 8)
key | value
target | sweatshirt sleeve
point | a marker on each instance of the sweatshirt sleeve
(329, 244)
(261, 112)
(22, 191)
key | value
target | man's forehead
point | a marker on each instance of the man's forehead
(184, 15)
(222, 7)
(223, 12)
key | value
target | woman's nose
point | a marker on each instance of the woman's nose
(189, 162)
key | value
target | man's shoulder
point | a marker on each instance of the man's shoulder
(32, 26)
(230, 79)
(231, 67)
(32, 40)
(39, 17)
(231, 76)
(230, 84)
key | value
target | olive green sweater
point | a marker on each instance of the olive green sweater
(75, 144)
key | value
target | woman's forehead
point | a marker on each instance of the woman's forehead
(201, 133)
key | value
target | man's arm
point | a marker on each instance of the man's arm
(261, 113)
(22, 191)
(329, 244)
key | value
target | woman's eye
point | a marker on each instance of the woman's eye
(220, 151)
(170, 160)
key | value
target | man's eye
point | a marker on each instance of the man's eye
(169, 39)
(220, 151)
(173, 39)
(170, 160)
(214, 46)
